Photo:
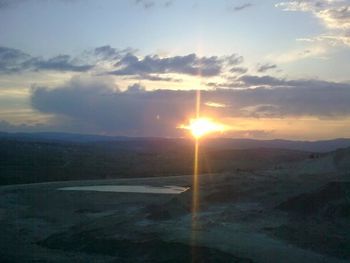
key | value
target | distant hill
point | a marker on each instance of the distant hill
(59, 136)
(219, 143)
(40, 157)
(309, 146)
(28, 161)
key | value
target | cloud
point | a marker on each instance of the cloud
(58, 63)
(107, 52)
(214, 104)
(135, 88)
(251, 80)
(331, 40)
(248, 81)
(313, 50)
(15, 61)
(153, 77)
(272, 82)
(12, 60)
(100, 107)
(8, 3)
(262, 68)
(103, 108)
(190, 64)
(168, 3)
(147, 4)
(334, 14)
(12, 3)
(242, 7)
(239, 70)
(234, 59)
(107, 60)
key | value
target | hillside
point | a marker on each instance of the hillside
(220, 143)
(41, 161)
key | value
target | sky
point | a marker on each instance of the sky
(266, 69)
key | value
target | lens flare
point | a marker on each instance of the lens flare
(203, 126)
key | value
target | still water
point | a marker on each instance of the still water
(146, 189)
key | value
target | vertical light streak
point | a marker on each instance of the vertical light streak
(196, 163)
(195, 182)
(195, 192)
(198, 103)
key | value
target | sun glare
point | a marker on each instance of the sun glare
(202, 126)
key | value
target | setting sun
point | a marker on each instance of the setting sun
(202, 126)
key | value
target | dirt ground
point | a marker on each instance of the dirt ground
(238, 220)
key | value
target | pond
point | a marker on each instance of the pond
(146, 189)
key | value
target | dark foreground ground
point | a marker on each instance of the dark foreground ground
(270, 216)
(254, 205)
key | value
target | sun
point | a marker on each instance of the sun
(203, 126)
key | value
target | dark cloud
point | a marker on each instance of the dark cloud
(157, 78)
(11, 3)
(99, 107)
(6, 3)
(242, 7)
(102, 108)
(123, 62)
(148, 4)
(239, 70)
(107, 52)
(135, 88)
(106, 55)
(234, 59)
(189, 64)
(14, 61)
(251, 80)
(266, 67)
(168, 3)
(268, 81)
(145, 3)
(58, 63)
